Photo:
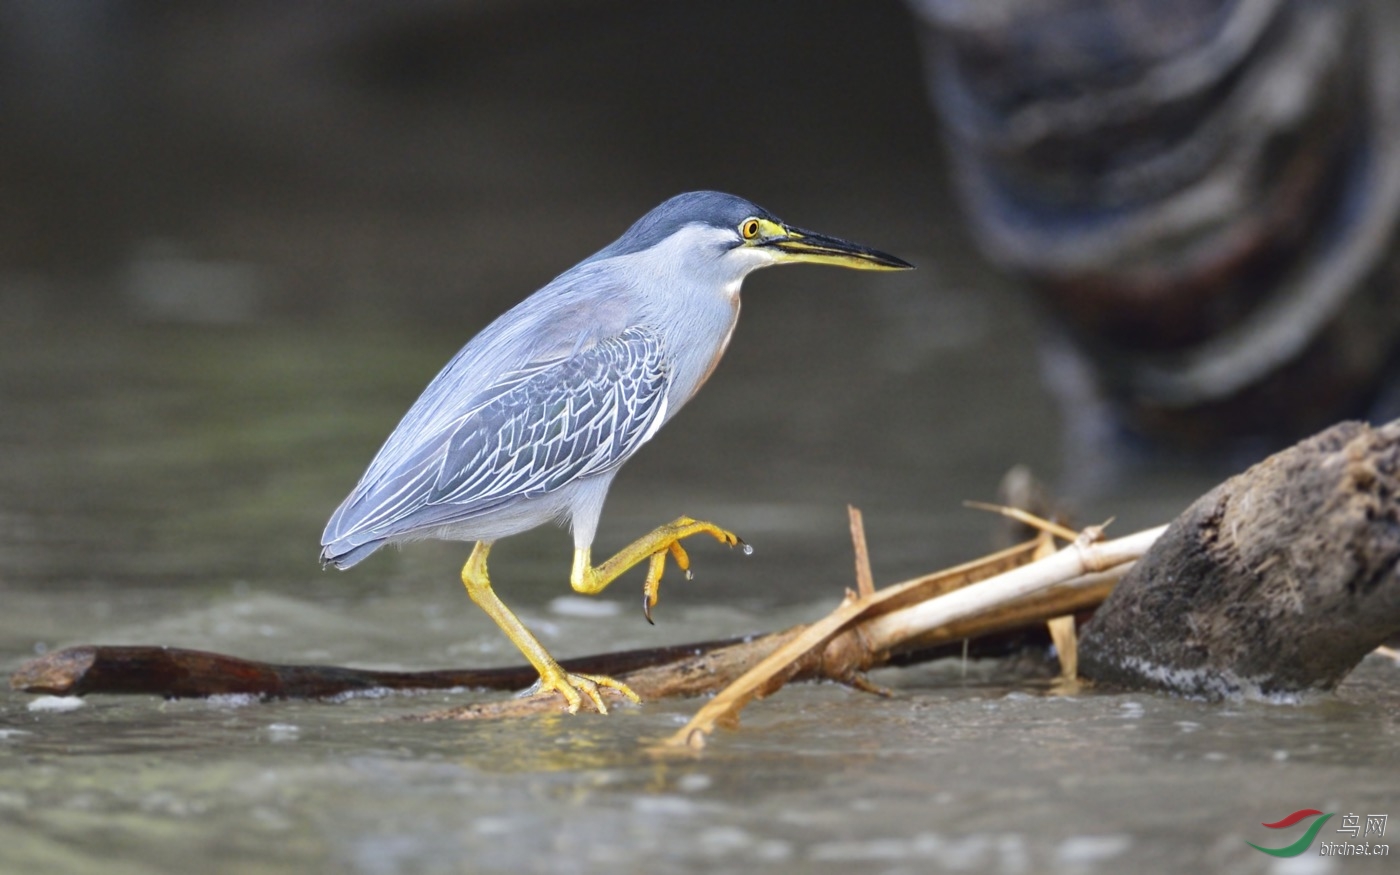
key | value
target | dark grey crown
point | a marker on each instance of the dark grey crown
(713, 208)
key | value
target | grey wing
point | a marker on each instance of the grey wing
(530, 434)
(584, 416)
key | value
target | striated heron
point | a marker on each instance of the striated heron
(533, 418)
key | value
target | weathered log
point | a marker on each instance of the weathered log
(176, 673)
(1276, 583)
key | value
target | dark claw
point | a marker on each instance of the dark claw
(646, 609)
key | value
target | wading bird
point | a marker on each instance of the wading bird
(532, 419)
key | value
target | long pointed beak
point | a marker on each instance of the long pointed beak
(797, 245)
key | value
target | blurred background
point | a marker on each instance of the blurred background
(392, 161)
(1202, 196)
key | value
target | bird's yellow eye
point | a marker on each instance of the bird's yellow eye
(749, 229)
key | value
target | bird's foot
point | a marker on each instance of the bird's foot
(653, 549)
(670, 542)
(573, 687)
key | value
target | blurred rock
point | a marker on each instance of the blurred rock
(1203, 193)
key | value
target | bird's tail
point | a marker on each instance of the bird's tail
(343, 553)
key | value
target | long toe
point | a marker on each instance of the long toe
(686, 526)
(600, 680)
(573, 687)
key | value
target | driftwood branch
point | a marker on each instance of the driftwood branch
(177, 673)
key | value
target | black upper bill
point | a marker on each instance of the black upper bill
(801, 245)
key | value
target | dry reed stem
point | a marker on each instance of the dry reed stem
(1026, 518)
(865, 580)
(959, 603)
(1062, 632)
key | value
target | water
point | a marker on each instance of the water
(176, 428)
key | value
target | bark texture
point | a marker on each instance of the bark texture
(1275, 583)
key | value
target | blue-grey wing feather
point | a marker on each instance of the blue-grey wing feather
(583, 416)
(533, 431)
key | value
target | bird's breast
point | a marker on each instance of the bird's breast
(695, 347)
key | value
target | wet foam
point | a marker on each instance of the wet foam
(1211, 685)
(56, 703)
(578, 606)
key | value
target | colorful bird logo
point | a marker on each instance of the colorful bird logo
(1303, 843)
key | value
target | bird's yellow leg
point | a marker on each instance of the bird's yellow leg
(589, 579)
(552, 674)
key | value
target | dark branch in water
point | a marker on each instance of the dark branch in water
(175, 673)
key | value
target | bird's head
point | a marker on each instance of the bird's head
(735, 236)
